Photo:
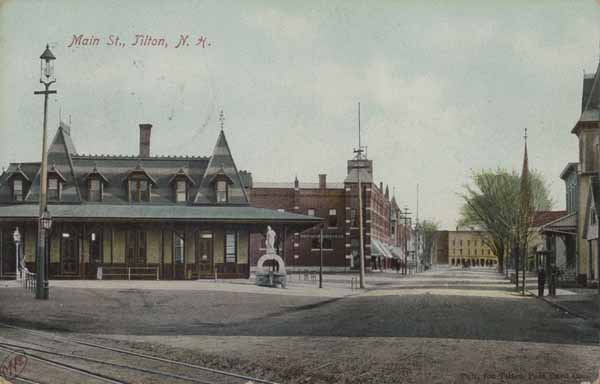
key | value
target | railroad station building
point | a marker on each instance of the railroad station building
(337, 204)
(166, 217)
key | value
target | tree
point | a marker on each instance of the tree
(493, 204)
(426, 230)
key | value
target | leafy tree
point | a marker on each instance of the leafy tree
(426, 230)
(493, 204)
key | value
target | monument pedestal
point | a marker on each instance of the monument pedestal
(266, 278)
(271, 279)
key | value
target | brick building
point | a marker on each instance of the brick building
(337, 204)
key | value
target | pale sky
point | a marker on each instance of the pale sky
(445, 88)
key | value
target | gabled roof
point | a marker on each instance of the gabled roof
(18, 172)
(60, 155)
(221, 174)
(590, 100)
(541, 218)
(56, 172)
(181, 173)
(221, 161)
(565, 225)
(95, 173)
(569, 168)
(139, 169)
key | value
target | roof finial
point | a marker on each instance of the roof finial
(525, 137)
(222, 119)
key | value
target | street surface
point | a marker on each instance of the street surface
(441, 326)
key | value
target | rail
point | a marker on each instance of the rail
(29, 280)
(128, 272)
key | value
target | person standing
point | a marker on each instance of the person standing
(541, 281)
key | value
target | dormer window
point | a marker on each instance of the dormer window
(95, 182)
(139, 185)
(18, 194)
(181, 191)
(94, 190)
(55, 183)
(181, 182)
(139, 190)
(20, 183)
(222, 191)
(54, 189)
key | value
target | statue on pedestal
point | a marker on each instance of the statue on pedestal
(270, 241)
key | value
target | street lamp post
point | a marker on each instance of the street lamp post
(17, 239)
(46, 78)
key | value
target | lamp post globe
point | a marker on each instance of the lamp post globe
(47, 66)
(17, 235)
(46, 220)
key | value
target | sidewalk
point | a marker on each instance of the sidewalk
(580, 302)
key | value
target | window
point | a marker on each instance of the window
(221, 191)
(179, 249)
(315, 243)
(593, 217)
(53, 189)
(332, 218)
(181, 191)
(310, 212)
(353, 217)
(327, 244)
(94, 193)
(230, 247)
(139, 189)
(18, 190)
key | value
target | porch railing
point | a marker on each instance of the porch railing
(28, 281)
(129, 273)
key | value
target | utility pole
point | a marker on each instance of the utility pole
(358, 167)
(405, 215)
(321, 256)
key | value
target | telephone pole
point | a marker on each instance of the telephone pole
(405, 215)
(358, 167)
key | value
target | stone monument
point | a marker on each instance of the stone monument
(264, 276)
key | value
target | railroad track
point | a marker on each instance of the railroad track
(45, 354)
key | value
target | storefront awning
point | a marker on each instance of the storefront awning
(397, 252)
(380, 249)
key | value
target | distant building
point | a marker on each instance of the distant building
(470, 247)
(337, 204)
(167, 217)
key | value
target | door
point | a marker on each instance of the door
(69, 255)
(178, 256)
(8, 256)
(204, 254)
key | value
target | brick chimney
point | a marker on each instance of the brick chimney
(322, 181)
(145, 130)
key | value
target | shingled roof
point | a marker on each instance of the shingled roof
(114, 169)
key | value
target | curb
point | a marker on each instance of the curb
(563, 308)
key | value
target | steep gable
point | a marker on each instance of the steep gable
(60, 154)
(221, 163)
